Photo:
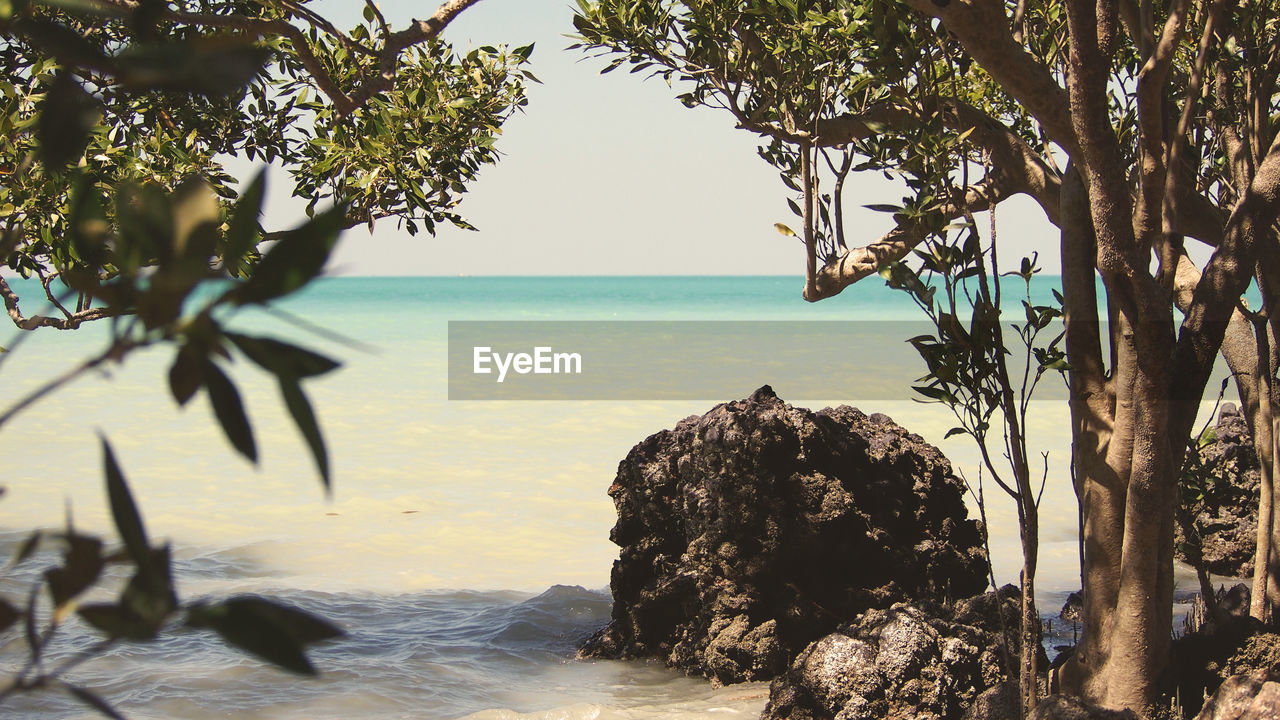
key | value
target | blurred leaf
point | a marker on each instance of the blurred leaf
(297, 258)
(149, 595)
(85, 7)
(196, 216)
(71, 48)
(269, 630)
(29, 623)
(28, 548)
(81, 566)
(67, 116)
(210, 66)
(242, 234)
(123, 510)
(282, 359)
(304, 417)
(8, 614)
(780, 227)
(229, 410)
(116, 621)
(186, 375)
(93, 701)
(87, 225)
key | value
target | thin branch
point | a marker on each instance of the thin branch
(45, 282)
(314, 18)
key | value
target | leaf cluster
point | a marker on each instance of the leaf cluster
(114, 94)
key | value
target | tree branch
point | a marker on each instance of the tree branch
(849, 266)
(418, 31)
(1225, 278)
(70, 322)
(983, 27)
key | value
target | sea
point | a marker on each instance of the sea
(464, 548)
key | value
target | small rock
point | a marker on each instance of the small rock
(904, 663)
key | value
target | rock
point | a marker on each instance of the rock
(751, 531)
(1073, 609)
(1063, 707)
(1226, 473)
(907, 663)
(1259, 652)
(1226, 644)
(1252, 696)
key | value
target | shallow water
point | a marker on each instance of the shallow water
(435, 654)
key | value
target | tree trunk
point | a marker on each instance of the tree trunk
(1260, 605)
(1029, 683)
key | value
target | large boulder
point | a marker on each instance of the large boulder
(1224, 482)
(751, 531)
(1253, 696)
(909, 662)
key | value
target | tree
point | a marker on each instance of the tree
(393, 123)
(1135, 126)
(118, 115)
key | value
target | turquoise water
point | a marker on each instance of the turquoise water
(449, 520)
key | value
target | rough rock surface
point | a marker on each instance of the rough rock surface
(751, 531)
(1219, 646)
(1062, 707)
(905, 663)
(1227, 518)
(1254, 696)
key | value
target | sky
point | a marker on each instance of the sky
(608, 175)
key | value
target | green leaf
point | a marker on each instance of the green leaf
(935, 393)
(304, 417)
(281, 358)
(954, 431)
(123, 510)
(879, 207)
(93, 701)
(229, 411)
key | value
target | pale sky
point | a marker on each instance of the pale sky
(606, 175)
